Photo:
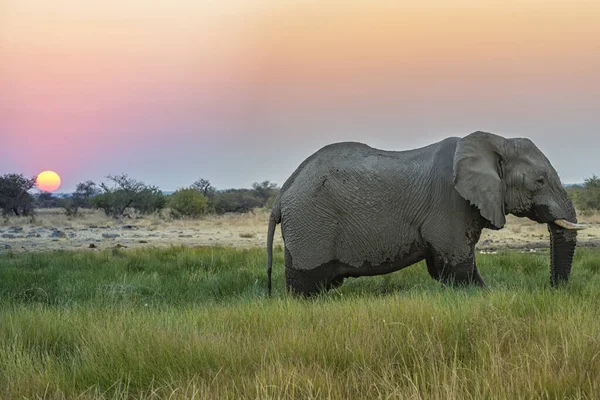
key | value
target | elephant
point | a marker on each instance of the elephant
(351, 210)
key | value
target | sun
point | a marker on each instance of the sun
(48, 181)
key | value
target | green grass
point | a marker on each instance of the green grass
(195, 323)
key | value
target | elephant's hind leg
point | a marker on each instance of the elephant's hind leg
(311, 281)
(300, 283)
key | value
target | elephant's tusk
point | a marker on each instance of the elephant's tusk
(563, 223)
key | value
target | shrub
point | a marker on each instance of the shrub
(46, 200)
(188, 202)
(150, 200)
(267, 191)
(81, 198)
(587, 198)
(127, 193)
(236, 200)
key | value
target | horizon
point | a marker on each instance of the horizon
(243, 91)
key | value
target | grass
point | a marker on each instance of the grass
(195, 323)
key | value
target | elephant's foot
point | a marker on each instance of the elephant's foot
(450, 281)
(309, 282)
(477, 279)
(462, 274)
(335, 282)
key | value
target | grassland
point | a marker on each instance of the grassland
(185, 322)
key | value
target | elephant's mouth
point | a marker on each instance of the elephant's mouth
(543, 214)
(571, 226)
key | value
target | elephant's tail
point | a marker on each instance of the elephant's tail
(274, 219)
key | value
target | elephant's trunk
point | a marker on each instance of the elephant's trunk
(563, 239)
(562, 249)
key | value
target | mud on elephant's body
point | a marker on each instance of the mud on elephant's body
(350, 210)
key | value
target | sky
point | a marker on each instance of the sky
(239, 91)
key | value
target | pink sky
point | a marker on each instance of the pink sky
(242, 91)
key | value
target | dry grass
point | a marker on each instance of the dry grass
(525, 230)
(238, 230)
(590, 217)
(55, 217)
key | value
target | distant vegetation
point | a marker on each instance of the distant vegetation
(188, 202)
(587, 196)
(123, 196)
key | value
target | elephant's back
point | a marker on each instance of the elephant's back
(354, 172)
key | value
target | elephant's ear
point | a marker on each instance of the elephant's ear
(478, 174)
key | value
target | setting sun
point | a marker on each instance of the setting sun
(48, 181)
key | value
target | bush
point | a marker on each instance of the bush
(150, 200)
(236, 200)
(267, 191)
(128, 193)
(14, 195)
(81, 198)
(46, 200)
(188, 202)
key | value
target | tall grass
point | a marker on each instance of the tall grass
(195, 323)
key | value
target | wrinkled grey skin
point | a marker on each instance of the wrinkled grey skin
(350, 210)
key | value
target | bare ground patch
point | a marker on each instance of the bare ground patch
(52, 230)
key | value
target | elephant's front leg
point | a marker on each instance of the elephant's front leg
(462, 272)
(435, 265)
(477, 278)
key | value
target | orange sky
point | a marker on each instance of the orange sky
(86, 84)
(439, 46)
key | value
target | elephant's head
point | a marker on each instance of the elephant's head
(512, 176)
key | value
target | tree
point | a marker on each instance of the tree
(188, 202)
(588, 197)
(203, 186)
(46, 200)
(14, 194)
(125, 193)
(265, 190)
(592, 183)
(81, 198)
(149, 200)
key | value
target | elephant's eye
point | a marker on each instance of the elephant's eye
(541, 181)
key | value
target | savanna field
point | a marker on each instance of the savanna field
(144, 146)
(181, 322)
